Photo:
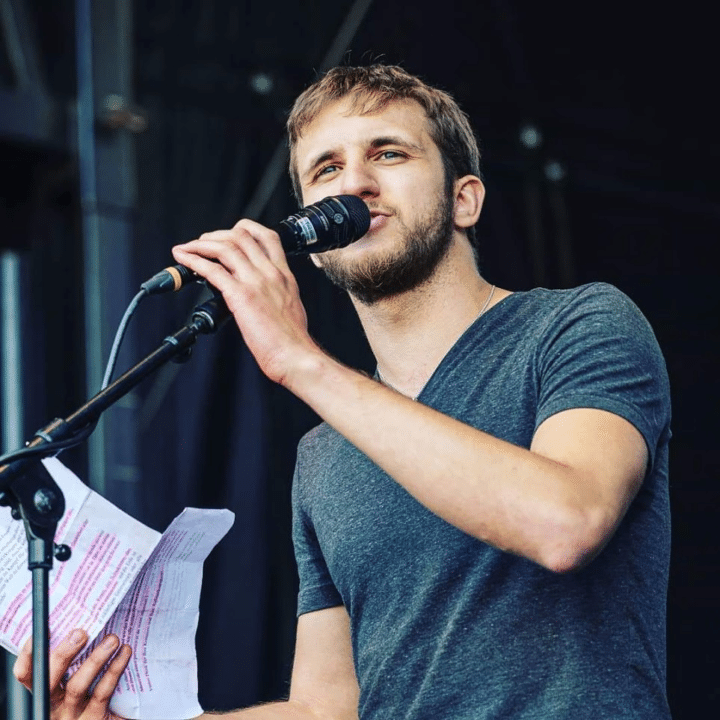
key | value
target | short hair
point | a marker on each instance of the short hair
(372, 88)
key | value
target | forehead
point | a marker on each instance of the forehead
(342, 124)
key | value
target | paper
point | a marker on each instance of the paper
(158, 618)
(123, 577)
(108, 550)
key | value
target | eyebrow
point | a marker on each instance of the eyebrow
(395, 140)
(375, 144)
(319, 160)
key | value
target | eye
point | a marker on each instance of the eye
(390, 155)
(327, 170)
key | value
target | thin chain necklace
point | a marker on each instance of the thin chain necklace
(482, 310)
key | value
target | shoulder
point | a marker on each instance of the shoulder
(596, 349)
(540, 309)
(598, 295)
(596, 315)
(598, 309)
(550, 302)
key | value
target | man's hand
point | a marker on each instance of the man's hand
(248, 266)
(72, 699)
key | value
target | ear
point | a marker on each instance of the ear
(315, 260)
(469, 196)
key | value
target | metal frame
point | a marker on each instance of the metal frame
(106, 162)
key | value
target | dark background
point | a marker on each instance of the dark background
(622, 188)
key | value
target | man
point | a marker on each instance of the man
(482, 531)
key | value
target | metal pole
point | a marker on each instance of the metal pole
(91, 231)
(107, 198)
(41, 638)
(11, 384)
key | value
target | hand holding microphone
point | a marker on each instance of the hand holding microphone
(330, 223)
(248, 266)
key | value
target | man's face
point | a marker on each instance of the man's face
(390, 161)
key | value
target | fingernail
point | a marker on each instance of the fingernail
(109, 642)
(77, 637)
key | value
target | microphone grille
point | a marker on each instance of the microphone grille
(358, 213)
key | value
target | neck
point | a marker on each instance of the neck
(411, 333)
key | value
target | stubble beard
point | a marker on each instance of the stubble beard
(423, 247)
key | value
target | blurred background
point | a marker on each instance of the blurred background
(126, 127)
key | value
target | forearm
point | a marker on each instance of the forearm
(287, 710)
(505, 495)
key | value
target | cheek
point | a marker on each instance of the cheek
(420, 191)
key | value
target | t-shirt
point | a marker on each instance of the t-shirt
(446, 626)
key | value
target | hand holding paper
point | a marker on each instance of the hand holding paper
(79, 698)
(122, 578)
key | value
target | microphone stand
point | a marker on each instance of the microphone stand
(33, 496)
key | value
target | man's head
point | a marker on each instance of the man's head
(373, 88)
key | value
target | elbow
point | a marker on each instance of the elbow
(570, 559)
(578, 543)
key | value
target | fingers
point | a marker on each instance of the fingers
(78, 685)
(239, 265)
(106, 686)
(247, 248)
(23, 665)
(267, 239)
(75, 697)
(247, 265)
(60, 659)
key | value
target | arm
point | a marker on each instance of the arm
(323, 683)
(557, 503)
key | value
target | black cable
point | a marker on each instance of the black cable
(48, 449)
(53, 447)
(119, 335)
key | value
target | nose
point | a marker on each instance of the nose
(359, 179)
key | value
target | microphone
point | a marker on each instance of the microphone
(330, 223)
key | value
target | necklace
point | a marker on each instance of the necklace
(477, 317)
(487, 302)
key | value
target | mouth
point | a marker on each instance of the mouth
(378, 219)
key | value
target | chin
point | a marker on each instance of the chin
(356, 250)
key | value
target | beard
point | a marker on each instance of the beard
(423, 247)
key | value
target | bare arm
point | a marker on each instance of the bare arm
(323, 683)
(557, 503)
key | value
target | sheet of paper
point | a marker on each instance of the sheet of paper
(108, 549)
(124, 578)
(158, 618)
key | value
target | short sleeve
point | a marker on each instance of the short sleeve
(317, 590)
(599, 351)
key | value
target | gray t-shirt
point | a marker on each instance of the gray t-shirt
(446, 626)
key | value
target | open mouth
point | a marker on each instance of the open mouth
(377, 221)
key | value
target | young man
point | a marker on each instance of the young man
(482, 531)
